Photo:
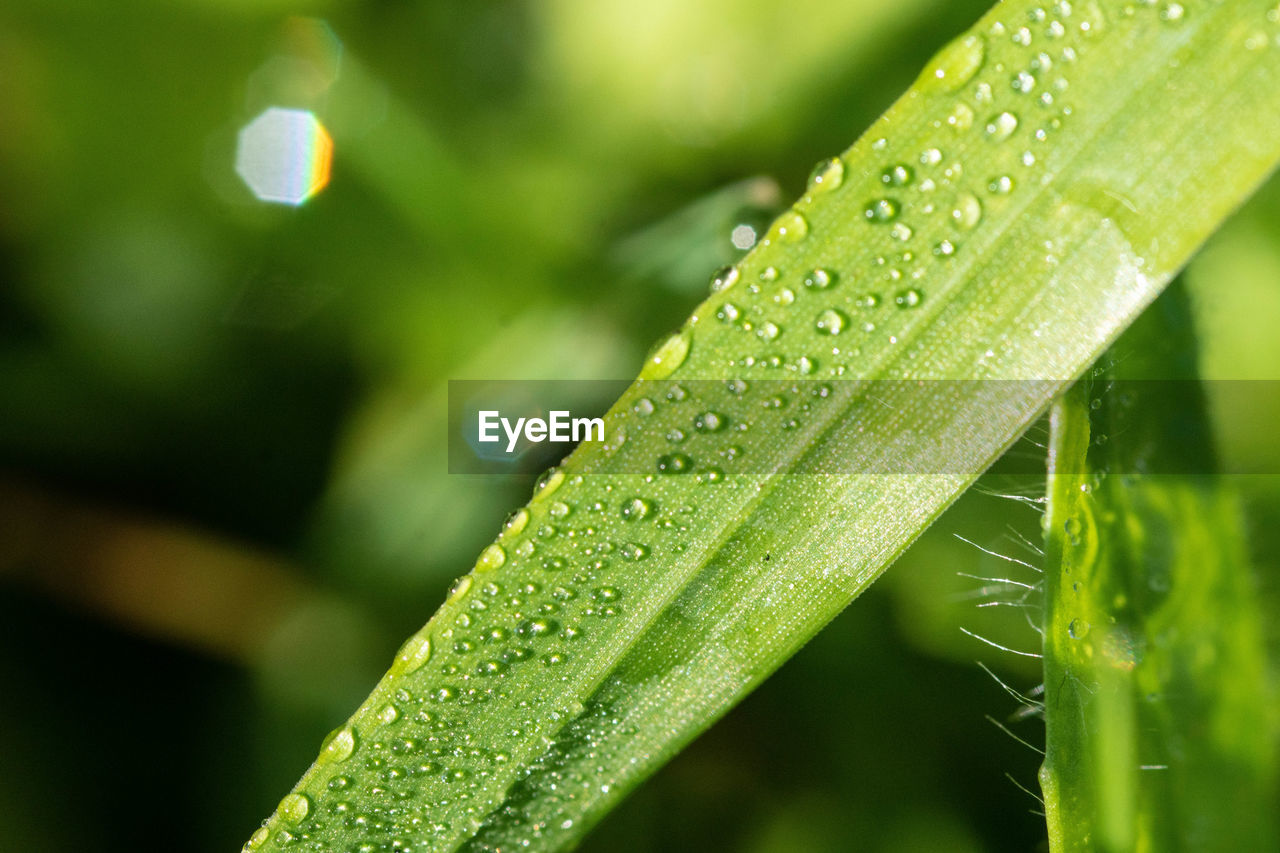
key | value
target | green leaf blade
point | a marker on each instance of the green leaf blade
(1161, 724)
(594, 639)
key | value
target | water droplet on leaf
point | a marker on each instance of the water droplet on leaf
(897, 176)
(666, 356)
(831, 322)
(826, 176)
(819, 279)
(491, 558)
(908, 298)
(415, 652)
(967, 212)
(636, 509)
(674, 463)
(338, 746)
(1002, 126)
(881, 210)
(515, 522)
(709, 422)
(548, 483)
(724, 279)
(791, 227)
(955, 64)
(294, 808)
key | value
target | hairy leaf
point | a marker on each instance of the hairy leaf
(1162, 730)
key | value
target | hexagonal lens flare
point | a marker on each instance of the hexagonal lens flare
(284, 155)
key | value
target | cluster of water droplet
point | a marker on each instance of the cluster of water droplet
(558, 575)
(416, 764)
(1003, 89)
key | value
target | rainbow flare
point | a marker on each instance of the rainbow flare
(284, 155)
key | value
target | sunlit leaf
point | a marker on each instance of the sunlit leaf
(1005, 220)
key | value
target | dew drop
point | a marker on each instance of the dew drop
(955, 64)
(945, 249)
(606, 593)
(294, 808)
(831, 322)
(460, 588)
(666, 356)
(549, 482)
(961, 117)
(338, 746)
(1095, 21)
(728, 313)
(515, 522)
(636, 509)
(1077, 628)
(897, 176)
(634, 551)
(882, 210)
(709, 422)
(415, 652)
(491, 667)
(1002, 185)
(491, 558)
(537, 627)
(674, 463)
(1002, 126)
(819, 279)
(724, 278)
(826, 176)
(709, 475)
(768, 331)
(967, 212)
(908, 298)
(258, 838)
(791, 227)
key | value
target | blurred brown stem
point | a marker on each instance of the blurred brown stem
(157, 578)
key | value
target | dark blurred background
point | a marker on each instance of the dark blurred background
(244, 244)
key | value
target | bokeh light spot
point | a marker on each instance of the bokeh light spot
(284, 155)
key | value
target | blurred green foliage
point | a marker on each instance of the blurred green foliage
(251, 397)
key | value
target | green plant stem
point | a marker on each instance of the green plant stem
(1161, 720)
